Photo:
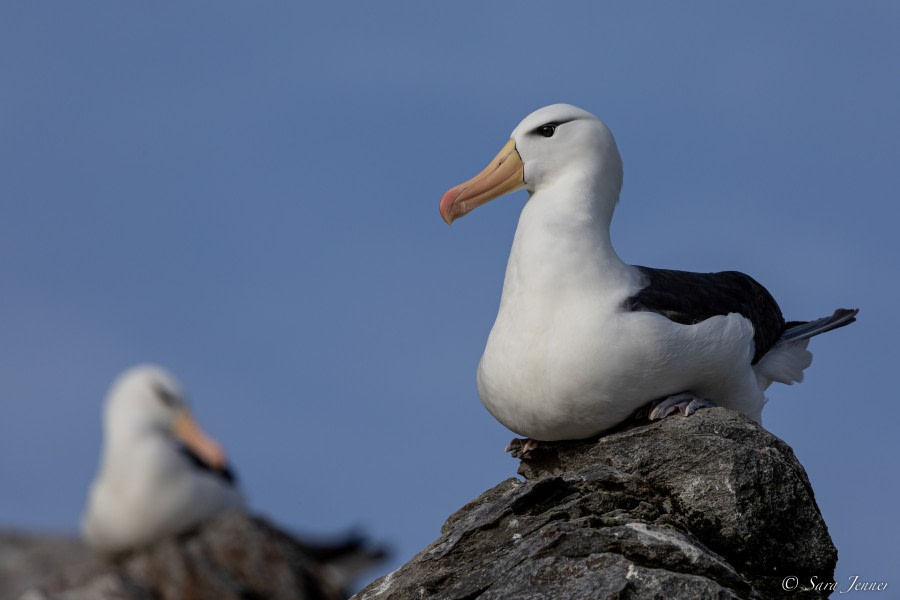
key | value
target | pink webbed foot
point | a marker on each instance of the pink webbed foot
(519, 446)
(686, 403)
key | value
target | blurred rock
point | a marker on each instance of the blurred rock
(709, 506)
(27, 558)
(233, 557)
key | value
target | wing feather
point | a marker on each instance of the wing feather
(689, 298)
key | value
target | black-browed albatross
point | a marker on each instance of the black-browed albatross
(160, 474)
(582, 339)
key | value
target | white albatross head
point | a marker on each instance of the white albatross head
(147, 400)
(556, 143)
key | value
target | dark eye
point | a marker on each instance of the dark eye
(547, 130)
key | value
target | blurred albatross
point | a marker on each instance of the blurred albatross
(582, 339)
(160, 474)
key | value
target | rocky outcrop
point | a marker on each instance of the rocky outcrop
(231, 558)
(27, 558)
(708, 506)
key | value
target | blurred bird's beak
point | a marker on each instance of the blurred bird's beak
(197, 441)
(504, 174)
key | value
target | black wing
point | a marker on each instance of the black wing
(690, 298)
(225, 473)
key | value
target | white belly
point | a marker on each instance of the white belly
(553, 376)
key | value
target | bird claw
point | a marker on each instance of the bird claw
(520, 446)
(686, 403)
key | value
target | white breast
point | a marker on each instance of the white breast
(565, 360)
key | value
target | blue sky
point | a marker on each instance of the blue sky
(247, 195)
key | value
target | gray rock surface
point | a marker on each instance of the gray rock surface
(27, 558)
(233, 557)
(708, 506)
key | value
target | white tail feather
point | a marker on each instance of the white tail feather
(784, 363)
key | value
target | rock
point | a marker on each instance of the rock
(708, 506)
(26, 558)
(232, 557)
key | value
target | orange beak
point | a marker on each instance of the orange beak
(504, 174)
(198, 442)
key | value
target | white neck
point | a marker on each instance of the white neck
(562, 242)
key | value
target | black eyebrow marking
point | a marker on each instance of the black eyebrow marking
(167, 397)
(553, 123)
